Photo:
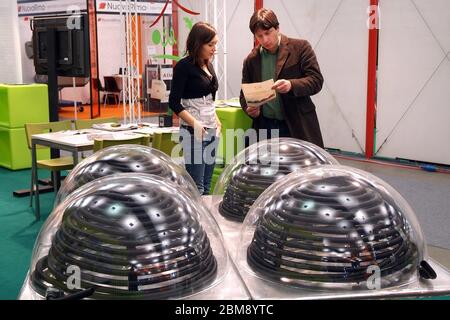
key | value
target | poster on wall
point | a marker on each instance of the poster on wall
(166, 76)
(152, 74)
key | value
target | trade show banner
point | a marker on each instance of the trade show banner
(27, 8)
(141, 7)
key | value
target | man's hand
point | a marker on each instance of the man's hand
(282, 86)
(253, 111)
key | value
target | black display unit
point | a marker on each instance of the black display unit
(60, 48)
(71, 44)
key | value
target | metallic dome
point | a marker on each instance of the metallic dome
(132, 237)
(122, 159)
(327, 226)
(259, 166)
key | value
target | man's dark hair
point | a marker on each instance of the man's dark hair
(200, 34)
(263, 19)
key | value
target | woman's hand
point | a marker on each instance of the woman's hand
(199, 131)
(218, 127)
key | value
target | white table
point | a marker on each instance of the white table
(76, 141)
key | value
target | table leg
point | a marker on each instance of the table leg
(35, 185)
(32, 184)
(75, 158)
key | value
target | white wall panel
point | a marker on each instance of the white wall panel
(26, 35)
(414, 72)
(196, 6)
(240, 41)
(239, 38)
(110, 31)
(338, 32)
(11, 65)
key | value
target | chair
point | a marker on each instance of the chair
(54, 165)
(82, 124)
(104, 143)
(111, 88)
(97, 84)
(163, 142)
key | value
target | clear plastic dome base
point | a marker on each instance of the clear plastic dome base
(130, 236)
(331, 227)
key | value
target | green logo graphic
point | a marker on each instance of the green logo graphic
(168, 38)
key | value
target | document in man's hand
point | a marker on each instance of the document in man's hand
(258, 93)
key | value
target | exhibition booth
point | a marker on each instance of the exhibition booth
(121, 218)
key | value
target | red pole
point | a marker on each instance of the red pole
(175, 29)
(258, 4)
(175, 50)
(372, 78)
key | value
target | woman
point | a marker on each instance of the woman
(194, 86)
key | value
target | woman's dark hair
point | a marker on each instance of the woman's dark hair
(263, 19)
(200, 34)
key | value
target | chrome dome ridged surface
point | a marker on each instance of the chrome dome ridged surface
(250, 179)
(130, 241)
(125, 159)
(329, 228)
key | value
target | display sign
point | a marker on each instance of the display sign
(166, 73)
(139, 7)
(46, 7)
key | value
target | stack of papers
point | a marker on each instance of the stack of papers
(112, 126)
(149, 130)
(234, 102)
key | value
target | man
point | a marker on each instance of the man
(294, 67)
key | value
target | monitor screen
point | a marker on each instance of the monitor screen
(71, 45)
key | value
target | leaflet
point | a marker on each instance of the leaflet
(257, 94)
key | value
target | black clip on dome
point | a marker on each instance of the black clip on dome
(57, 294)
(426, 271)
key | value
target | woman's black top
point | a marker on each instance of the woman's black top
(189, 82)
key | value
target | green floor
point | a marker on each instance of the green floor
(18, 230)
